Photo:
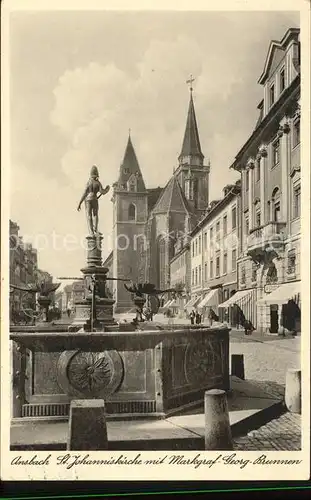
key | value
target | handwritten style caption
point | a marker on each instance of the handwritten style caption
(70, 460)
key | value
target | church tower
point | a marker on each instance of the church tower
(192, 174)
(130, 213)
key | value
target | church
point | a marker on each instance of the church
(148, 223)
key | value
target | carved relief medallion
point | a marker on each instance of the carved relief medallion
(202, 362)
(88, 374)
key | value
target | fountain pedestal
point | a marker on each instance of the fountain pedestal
(94, 273)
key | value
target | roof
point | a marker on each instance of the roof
(172, 199)
(290, 34)
(130, 167)
(191, 144)
(153, 196)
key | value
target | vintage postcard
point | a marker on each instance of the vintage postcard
(155, 256)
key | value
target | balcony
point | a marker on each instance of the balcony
(266, 239)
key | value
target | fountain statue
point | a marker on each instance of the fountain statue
(93, 191)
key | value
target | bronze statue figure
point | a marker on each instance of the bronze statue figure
(90, 197)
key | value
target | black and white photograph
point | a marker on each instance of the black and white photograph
(155, 252)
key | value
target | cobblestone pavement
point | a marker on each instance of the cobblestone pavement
(280, 434)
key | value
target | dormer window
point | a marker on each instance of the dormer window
(272, 95)
(282, 80)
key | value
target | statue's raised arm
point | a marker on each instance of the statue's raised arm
(93, 191)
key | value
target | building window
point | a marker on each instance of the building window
(211, 269)
(200, 275)
(296, 133)
(234, 259)
(257, 170)
(217, 266)
(247, 180)
(196, 246)
(243, 276)
(297, 201)
(196, 275)
(193, 276)
(132, 212)
(276, 205)
(234, 218)
(272, 95)
(258, 218)
(211, 234)
(205, 240)
(291, 261)
(199, 244)
(275, 152)
(225, 225)
(225, 263)
(254, 272)
(282, 80)
(205, 271)
(193, 249)
(217, 230)
(272, 275)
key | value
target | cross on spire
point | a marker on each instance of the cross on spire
(190, 82)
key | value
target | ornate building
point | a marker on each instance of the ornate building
(147, 223)
(269, 163)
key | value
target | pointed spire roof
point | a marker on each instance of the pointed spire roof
(172, 199)
(191, 144)
(130, 167)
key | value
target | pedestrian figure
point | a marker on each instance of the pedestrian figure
(170, 317)
(192, 316)
(197, 318)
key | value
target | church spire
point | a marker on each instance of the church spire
(130, 173)
(191, 147)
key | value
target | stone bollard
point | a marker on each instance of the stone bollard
(87, 425)
(237, 366)
(217, 424)
(293, 390)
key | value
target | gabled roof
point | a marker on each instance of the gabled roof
(291, 34)
(191, 144)
(130, 166)
(172, 199)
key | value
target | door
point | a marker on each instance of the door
(274, 319)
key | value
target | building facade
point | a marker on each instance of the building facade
(147, 223)
(23, 270)
(214, 249)
(180, 274)
(269, 163)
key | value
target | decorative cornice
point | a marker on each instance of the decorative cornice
(262, 151)
(251, 163)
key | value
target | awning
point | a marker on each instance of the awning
(167, 303)
(210, 299)
(192, 302)
(282, 294)
(238, 298)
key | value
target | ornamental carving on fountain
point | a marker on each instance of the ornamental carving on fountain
(88, 374)
(202, 361)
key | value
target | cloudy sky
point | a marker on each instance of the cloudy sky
(80, 80)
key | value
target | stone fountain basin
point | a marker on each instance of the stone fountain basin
(151, 372)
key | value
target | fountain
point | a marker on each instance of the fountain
(139, 368)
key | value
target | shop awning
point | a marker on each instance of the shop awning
(167, 303)
(282, 294)
(210, 299)
(192, 302)
(238, 298)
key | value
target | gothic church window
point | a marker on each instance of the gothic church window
(132, 212)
